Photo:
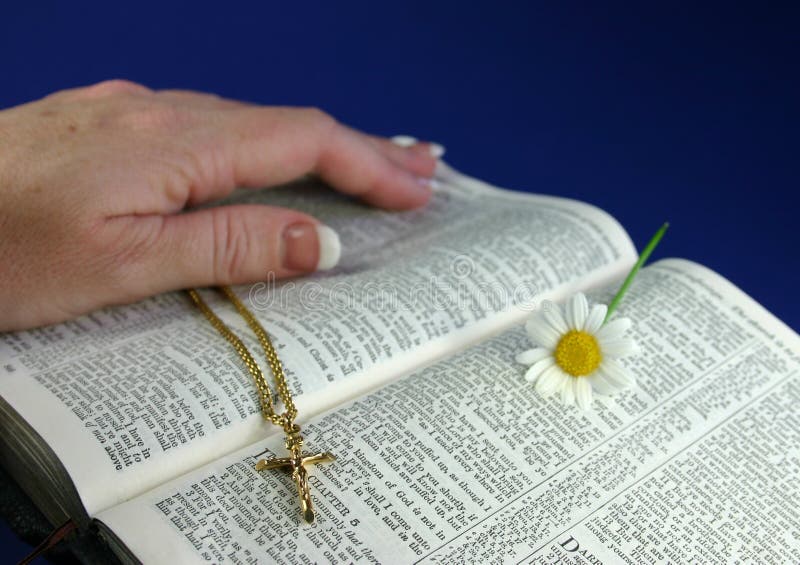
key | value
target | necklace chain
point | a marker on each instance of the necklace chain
(284, 420)
(297, 460)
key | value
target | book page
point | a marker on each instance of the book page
(129, 397)
(463, 462)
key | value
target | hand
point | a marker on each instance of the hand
(93, 182)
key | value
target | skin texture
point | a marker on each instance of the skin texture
(95, 184)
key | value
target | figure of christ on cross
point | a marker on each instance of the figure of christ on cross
(296, 463)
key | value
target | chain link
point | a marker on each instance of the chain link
(285, 420)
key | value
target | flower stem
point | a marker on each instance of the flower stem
(629, 279)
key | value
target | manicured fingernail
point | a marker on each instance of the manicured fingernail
(428, 183)
(436, 150)
(330, 248)
(305, 242)
(404, 140)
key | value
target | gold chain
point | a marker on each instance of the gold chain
(297, 460)
(285, 420)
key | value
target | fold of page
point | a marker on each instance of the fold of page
(463, 462)
(132, 396)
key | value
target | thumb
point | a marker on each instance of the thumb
(236, 245)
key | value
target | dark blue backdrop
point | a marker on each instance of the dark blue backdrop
(679, 111)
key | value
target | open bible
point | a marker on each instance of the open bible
(141, 421)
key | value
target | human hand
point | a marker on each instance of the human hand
(93, 182)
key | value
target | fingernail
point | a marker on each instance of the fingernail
(428, 183)
(404, 140)
(305, 241)
(436, 150)
(330, 248)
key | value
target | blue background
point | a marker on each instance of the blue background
(686, 112)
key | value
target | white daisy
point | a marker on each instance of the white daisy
(576, 352)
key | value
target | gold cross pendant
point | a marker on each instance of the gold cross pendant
(296, 463)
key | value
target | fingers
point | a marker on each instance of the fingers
(409, 153)
(226, 245)
(258, 147)
(269, 146)
(214, 145)
(349, 161)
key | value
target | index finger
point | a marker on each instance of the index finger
(265, 146)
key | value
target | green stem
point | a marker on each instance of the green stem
(629, 279)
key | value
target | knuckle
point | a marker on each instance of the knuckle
(323, 127)
(115, 86)
(232, 247)
(319, 118)
(212, 96)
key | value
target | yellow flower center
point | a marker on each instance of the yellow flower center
(578, 353)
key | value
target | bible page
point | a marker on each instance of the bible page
(463, 462)
(132, 396)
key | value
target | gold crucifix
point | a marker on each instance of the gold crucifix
(294, 441)
(296, 463)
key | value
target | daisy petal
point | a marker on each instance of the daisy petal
(601, 385)
(568, 392)
(538, 368)
(614, 329)
(583, 393)
(531, 356)
(616, 374)
(595, 319)
(552, 313)
(550, 381)
(541, 333)
(577, 310)
(618, 347)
